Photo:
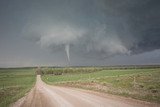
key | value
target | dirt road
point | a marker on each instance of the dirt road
(43, 95)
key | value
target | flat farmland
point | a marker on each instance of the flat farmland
(59, 87)
(141, 84)
(14, 84)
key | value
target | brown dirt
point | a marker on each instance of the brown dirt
(43, 95)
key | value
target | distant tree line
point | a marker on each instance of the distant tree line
(75, 70)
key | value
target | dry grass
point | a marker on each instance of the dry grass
(143, 84)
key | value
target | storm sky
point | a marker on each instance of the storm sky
(79, 32)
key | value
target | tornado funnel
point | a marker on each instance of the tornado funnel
(67, 51)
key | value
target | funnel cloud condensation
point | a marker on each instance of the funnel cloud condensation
(67, 52)
(91, 29)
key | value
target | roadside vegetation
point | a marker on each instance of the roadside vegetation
(141, 83)
(14, 84)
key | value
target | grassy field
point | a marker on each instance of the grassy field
(14, 83)
(143, 84)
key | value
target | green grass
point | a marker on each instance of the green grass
(52, 79)
(14, 83)
(143, 84)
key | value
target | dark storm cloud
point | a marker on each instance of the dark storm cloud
(145, 26)
(99, 28)
(91, 29)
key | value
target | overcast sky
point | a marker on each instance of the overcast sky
(79, 32)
